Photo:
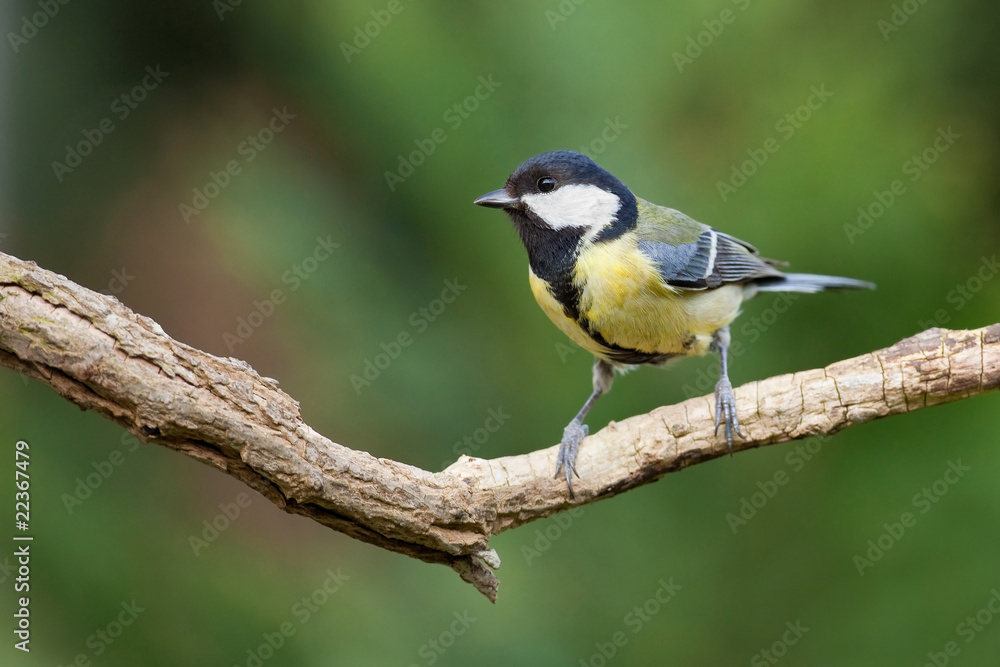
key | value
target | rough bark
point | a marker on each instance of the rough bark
(100, 355)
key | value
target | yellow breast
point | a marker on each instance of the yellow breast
(625, 300)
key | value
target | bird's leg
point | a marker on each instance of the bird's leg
(577, 430)
(725, 401)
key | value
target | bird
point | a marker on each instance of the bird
(631, 282)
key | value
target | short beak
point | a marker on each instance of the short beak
(497, 199)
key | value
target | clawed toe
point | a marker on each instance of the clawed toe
(725, 412)
(566, 461)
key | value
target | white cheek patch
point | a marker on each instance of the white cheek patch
(584, 206)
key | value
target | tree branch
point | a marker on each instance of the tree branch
(97, 353)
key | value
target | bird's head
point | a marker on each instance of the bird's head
(564, 192)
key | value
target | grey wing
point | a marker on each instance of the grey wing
(706, 261)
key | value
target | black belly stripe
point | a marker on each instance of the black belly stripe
(635, 357)
(619, 354)
(569, 299)
(567, 294)
(552, 256)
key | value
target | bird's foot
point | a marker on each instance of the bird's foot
(725, 411)
(572, 435)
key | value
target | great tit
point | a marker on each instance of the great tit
(632, 282)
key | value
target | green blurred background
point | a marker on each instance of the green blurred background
(670, 97)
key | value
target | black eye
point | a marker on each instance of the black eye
(546, 184)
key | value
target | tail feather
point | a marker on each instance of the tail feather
(805, 282)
